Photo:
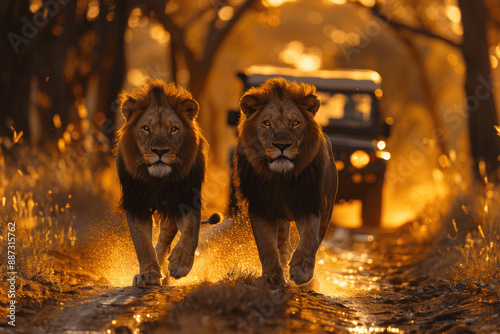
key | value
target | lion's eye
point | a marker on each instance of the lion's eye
(145, 128)
(295, 123)
(174, 129)
(267, 123)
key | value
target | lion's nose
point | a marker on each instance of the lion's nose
(282, 147)
(161, 152)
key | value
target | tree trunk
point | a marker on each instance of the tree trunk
(484, 142)
(112, 73)
(14, 71)
(173, 61)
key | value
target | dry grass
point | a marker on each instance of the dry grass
(467, 215)
(36, 192)
(479, 264)
(236, 276)
(472, 224)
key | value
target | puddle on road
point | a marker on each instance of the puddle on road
(354, 268)
(116, 301)
(139, 310)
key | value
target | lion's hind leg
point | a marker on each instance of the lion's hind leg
(142, 236)
(168, 231)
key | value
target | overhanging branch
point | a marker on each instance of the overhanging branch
(176, 33)
(216, 36)
(378, 12)
(194, 17)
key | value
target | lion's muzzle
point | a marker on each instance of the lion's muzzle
(282, 147)
(159, 162)
(160, 153)
(281, 163)
(281, 159)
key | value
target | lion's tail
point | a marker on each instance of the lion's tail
(213, 219)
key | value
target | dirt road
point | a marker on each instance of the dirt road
(380, 282)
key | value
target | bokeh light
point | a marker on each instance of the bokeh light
(226, 13)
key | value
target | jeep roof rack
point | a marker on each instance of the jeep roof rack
(343, 79)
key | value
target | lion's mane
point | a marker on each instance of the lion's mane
(297, 193)
(143, 194)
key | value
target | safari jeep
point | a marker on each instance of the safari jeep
(350, 116)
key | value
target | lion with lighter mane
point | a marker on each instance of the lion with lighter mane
(284, 171)
(161, 161)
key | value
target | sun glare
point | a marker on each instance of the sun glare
(308, 62)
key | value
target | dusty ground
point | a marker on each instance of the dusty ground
(390, 281)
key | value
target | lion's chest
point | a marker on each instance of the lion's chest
(281, 197)
(143, 197)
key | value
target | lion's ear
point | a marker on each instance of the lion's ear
(190, 107)
(129, 105)
(310, 103)
(249, 104)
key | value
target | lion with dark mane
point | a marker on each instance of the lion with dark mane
(284, 171)
(161, 161)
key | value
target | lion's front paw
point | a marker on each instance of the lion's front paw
(144, 279)
(301, 269)
(271, 282)
(180, 263)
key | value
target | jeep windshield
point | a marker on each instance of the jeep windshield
(348, 103)
(346, 110)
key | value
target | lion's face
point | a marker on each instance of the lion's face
(159, 137)
(280, 133)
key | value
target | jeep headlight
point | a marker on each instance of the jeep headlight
(383, 155)
(360, 159)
